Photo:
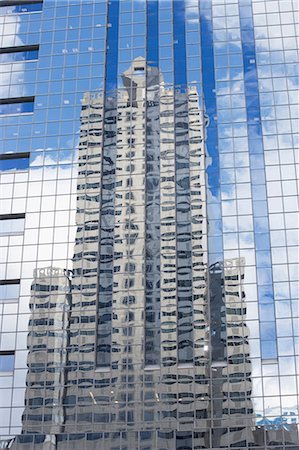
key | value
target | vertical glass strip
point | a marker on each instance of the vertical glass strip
(183, 198)
(179, 49)
(152, 191)
(105, 284)
(257, 169)
(215, 246)
(167, 191)
(198, 220)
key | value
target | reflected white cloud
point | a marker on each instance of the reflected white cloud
(44, 247)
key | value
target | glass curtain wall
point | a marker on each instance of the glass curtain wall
(149, 225)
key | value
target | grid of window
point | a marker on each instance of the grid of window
(148, 227)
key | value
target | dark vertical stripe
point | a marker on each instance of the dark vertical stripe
(179, 48)
(258, 182)
(152, 33)
(112, 48)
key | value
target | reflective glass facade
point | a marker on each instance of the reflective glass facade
(149, 225)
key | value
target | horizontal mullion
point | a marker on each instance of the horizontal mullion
(18, 49)
(14, 156)
(10, 281)
(9, 101)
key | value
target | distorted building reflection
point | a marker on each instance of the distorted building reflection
(139, 287)
(48, 350)
(230, 356)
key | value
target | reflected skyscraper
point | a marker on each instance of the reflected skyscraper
(135, 239)
(136, 343)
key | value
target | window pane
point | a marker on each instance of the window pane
(14, 161)
(7, 360)
(12, 226)
(15, 54)
(14, 164)
(9, 290)
(20, 7)
(16, 108)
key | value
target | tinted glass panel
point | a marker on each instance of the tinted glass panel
(7, 361)
(18, 55)
(9, 291)
(11, 225)
(14, 164)
(21, 8)
(16, 108)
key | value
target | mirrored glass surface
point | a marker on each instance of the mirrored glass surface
(149, 225)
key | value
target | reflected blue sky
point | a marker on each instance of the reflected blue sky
(179, 36)
(260, 207)
(215, 245)
(14, 164)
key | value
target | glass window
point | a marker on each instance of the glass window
(9, 7)
(7, 361)
(9, 290)
(16, 105)
(12, 224)
(14, 161)
(16, 54)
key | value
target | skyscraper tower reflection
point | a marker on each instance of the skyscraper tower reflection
(139, 287)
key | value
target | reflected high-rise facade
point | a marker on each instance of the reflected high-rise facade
(148, 225)
(231, 365)
(134, 241)
(48, 347)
